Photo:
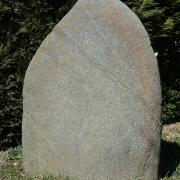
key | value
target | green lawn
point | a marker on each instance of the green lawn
(11, 168)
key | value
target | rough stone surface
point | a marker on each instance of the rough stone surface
(92, 98)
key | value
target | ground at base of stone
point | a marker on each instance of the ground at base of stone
(11, 160)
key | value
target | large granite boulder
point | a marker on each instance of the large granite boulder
(92, 98)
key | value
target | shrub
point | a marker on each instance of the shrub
(24, 24)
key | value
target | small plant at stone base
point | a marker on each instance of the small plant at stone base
(15, 153)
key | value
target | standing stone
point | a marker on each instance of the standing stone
(92, 98)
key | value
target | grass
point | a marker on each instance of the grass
(11, 169)
(170, 156)
(11, 163)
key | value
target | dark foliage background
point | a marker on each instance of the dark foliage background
(24, 24)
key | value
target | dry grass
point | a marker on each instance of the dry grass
(3, 157)
(171, 132)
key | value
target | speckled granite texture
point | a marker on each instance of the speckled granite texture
(92, 98)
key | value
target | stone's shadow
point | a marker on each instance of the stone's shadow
(172, 121)
(169, 158)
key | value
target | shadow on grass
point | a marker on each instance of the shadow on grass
(169, 158)
(172, 121)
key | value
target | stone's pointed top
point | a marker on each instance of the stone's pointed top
(91, 105)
